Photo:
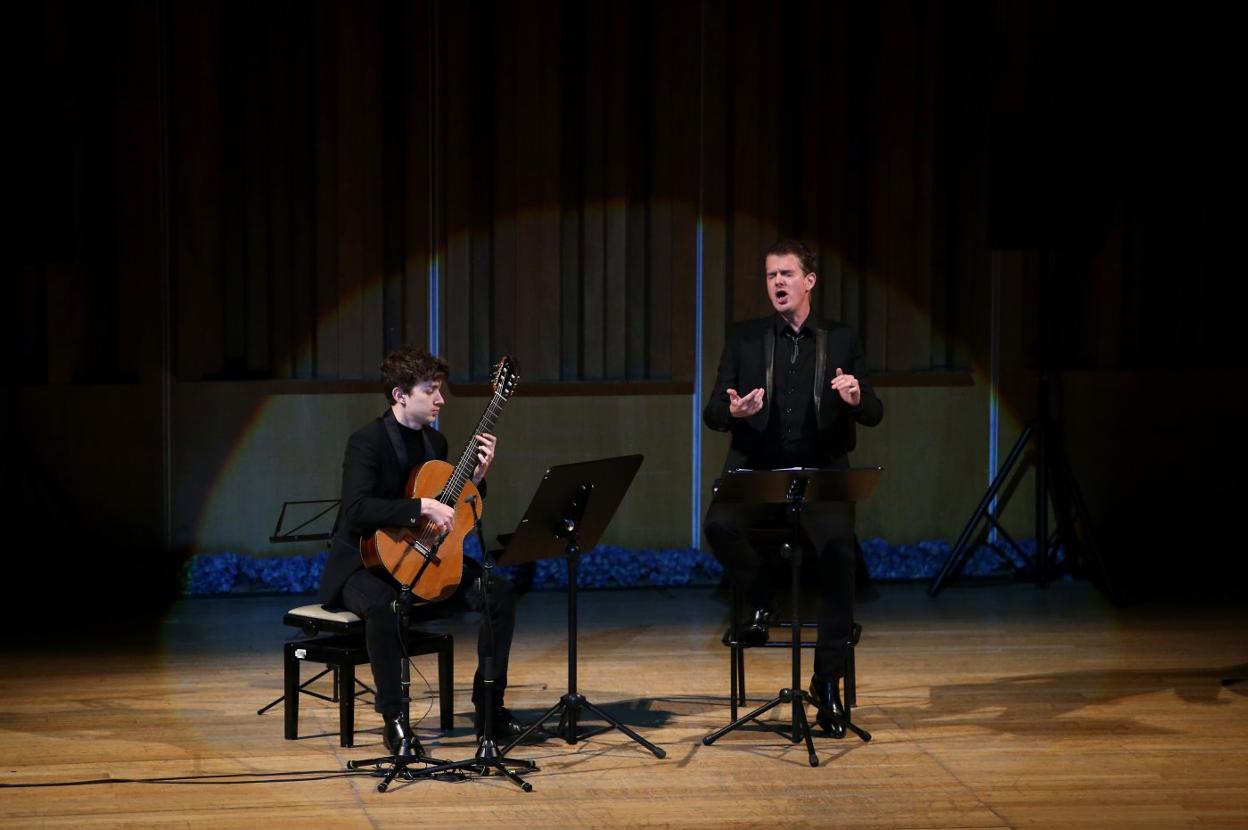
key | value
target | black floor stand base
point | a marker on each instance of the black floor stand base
(795, 695)
(392, 766)
(569, 711)
(487, 761)
(801, 730)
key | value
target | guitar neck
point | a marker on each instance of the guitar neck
(468, 458)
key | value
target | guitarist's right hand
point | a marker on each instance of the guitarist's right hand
(439, 515)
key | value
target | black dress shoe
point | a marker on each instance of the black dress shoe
(399, 738)
(831, 714)
(507, 728)
(756, 632)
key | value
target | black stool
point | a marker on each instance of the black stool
(794, 694)
(341, 651)
(769, 540)
(736, 652)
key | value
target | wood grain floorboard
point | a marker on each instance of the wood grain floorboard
(991, 707)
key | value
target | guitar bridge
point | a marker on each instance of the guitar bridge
(414, 544)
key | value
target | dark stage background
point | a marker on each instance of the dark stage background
(254, 193)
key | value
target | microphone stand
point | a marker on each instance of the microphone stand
(415, 754)
(488, 757)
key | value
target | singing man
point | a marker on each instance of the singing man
(792, 389)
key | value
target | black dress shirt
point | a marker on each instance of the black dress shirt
(792, 435)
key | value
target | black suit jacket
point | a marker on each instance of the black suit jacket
(747, 363)
(372, 497)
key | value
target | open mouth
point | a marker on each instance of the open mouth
(781, 293)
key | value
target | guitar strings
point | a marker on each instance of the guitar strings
(455, 484)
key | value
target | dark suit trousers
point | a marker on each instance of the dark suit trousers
(830, 530)
(370, 598)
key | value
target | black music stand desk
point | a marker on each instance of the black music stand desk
(572, 507)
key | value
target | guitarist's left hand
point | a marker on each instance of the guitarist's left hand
(485, 456)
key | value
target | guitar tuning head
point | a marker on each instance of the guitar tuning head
(504, 377)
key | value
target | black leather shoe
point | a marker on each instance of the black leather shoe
(399, 738)
(831, 714)
(507, 728)
(756, 632)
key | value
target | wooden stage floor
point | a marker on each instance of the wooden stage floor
(1001, 706)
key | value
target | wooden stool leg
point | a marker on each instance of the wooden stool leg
(446, 683)
(290, 671)
(346, 705)
(851, 685)
(734, 653)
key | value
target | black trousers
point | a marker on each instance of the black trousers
(830, 530)
(370, 598)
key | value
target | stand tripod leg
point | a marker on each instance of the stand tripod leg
(741, 721)
(558, 707)
(658, 753)
(862, 734)
(487, 758)
(962, 548)
(569, 722)
(501, 769)
(801, 725)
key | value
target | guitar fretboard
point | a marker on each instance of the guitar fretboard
(468, 458)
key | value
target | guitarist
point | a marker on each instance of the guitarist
(379, 459)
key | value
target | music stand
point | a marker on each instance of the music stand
(794, 489)
(573, 505)
(293, 535)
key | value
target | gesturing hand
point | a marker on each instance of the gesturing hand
(847, 387)
(744, 407)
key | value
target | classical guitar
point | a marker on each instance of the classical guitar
(421, 555)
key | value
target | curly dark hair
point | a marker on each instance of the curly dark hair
(792, 246)
(407, 366)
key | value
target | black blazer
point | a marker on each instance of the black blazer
(372, 497)
(747, 364)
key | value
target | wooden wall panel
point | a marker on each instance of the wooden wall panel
(325, 135)
(839, 149)
(420, 172)
(593, 108)
(456, 190)
(549, 158)
(619, 154)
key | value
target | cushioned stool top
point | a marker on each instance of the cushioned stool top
(319, 617)
(320, 612)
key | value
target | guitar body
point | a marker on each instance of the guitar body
(398, 553)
